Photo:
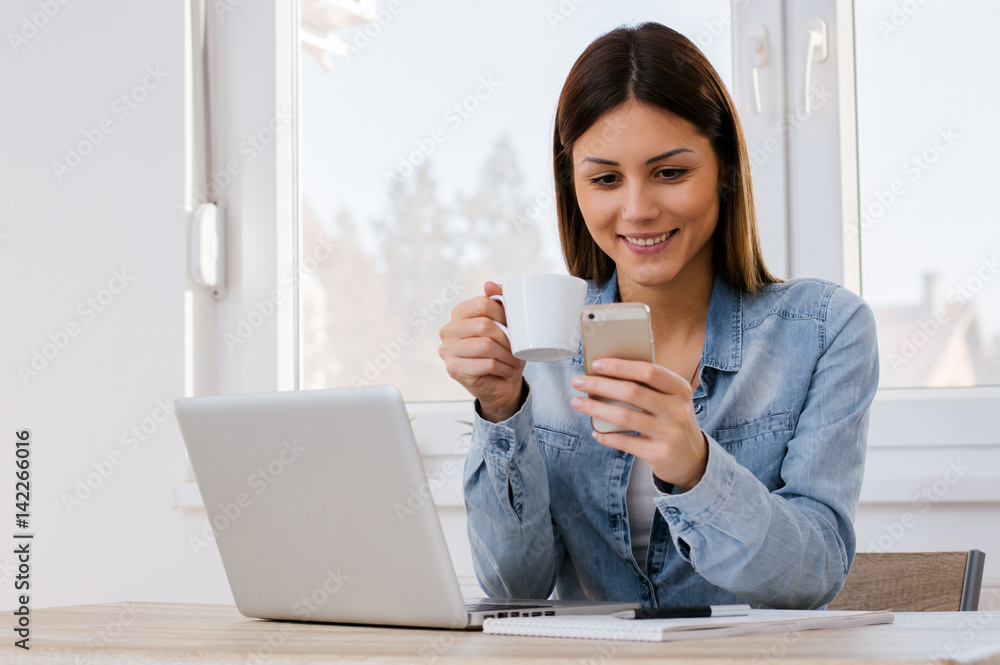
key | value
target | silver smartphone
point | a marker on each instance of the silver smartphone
(618, 330)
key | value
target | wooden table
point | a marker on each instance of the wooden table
(188, 633)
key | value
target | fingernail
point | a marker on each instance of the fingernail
(599, 364)
(577, 402)
(577, 381)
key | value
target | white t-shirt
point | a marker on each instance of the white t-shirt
(640, 508)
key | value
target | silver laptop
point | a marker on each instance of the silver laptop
(308, 494)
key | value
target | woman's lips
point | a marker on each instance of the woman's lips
(649, 244)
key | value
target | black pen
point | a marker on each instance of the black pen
(683, 612)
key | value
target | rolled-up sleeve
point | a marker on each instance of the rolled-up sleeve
(514, 546)
(793, 547)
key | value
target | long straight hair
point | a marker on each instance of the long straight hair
(658, 66)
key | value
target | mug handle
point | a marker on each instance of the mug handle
(502, 327)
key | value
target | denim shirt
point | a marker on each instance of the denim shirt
(786, 381)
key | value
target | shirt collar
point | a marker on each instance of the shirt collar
(603, 294)
(723, 331)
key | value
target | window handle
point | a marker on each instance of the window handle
(208, 248)
(758, 51)
(816, 52)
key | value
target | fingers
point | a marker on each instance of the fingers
(480, 327)
(655, 376)
(616, 414)
(480, 306)
(472, 344)
(471, 371)
(480, 348)
(629, 392)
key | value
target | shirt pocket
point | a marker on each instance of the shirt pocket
(556, 439)
(759, 445)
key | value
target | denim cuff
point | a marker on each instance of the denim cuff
(499, 440)
(687, 509)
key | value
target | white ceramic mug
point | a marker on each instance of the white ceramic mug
(543, 315)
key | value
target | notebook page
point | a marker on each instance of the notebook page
(605, 627)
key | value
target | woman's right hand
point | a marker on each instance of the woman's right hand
(477, 354)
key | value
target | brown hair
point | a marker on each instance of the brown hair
(656, 65)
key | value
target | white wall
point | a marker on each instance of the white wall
(63, 242)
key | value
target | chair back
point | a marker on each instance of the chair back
(913, 582)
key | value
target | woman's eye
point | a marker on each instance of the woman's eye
(604, 180)
(672, 174)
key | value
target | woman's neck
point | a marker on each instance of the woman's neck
(679, 308)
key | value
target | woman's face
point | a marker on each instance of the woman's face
(647, 185)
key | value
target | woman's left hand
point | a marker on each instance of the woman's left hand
(669, 437)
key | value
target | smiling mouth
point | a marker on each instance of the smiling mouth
(647, 242)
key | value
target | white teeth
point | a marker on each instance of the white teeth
(648, 241)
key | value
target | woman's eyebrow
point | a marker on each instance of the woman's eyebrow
(669, 153)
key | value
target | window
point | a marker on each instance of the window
(426, 162)
(929, 237)
(384, 164)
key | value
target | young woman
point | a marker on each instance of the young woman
(742, 482)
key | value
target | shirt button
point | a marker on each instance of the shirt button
(672, 511)
(645, 588)
(697, 408)
(501, 444)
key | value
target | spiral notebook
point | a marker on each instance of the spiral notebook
(606, 627)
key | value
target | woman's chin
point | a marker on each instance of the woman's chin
(649, 276)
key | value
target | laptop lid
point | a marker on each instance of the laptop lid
(307, 493)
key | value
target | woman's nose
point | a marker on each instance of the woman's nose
(639, 205)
